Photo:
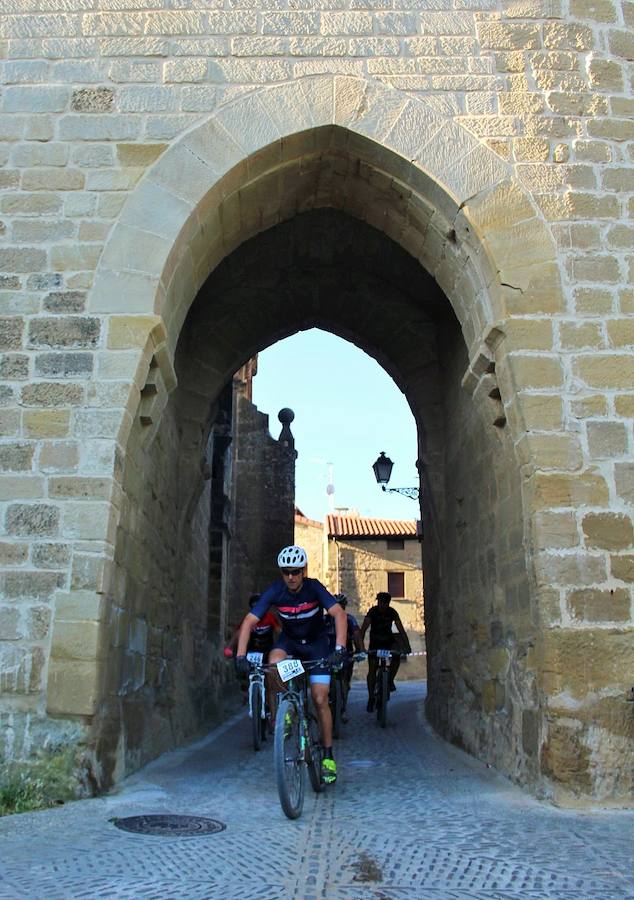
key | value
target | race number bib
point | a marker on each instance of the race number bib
(255, 658)
(383, 654)
(289, 668)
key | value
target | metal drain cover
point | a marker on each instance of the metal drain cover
(170, 826)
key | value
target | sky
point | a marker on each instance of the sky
(347, 409)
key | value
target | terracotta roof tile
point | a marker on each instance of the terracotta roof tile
(359, 526)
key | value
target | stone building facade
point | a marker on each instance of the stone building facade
(448, 185)
(359, 556)
(368, 555)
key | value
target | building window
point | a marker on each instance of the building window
(395, 544)
(396, 584)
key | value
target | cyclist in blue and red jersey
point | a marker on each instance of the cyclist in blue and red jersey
(299, 602)
(262, 638)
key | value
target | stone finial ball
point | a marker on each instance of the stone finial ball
(286, 416)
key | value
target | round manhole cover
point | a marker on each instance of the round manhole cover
(170, 826)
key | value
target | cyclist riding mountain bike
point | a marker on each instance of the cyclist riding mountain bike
(379, 619)
(263, 635)
(299, 601)
(261, 640)
(354, 645)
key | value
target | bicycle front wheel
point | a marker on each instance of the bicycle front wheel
(289, 758)
(384, 692)
(314, 755)
(255, 708)
(336, 704)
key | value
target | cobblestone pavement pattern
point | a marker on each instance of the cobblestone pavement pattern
(410, 817)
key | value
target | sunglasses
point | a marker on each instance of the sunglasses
(292, 571)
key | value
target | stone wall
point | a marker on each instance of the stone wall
(492, 147)
(263, 500)
(482, 623)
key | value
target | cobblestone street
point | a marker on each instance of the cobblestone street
(410, 817)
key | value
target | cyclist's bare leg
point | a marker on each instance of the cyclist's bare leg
(395, 663)
(371, 679)
(319, 693)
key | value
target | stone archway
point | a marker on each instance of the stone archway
(445, 198)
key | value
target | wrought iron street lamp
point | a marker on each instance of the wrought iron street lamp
(382, 471)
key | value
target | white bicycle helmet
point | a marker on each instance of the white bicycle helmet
(292, 557)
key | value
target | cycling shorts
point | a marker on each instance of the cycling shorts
(318, 648)
(391, 644)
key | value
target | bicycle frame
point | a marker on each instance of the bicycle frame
(303, 750)
(296, 690)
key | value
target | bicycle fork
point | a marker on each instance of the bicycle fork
(262, 711)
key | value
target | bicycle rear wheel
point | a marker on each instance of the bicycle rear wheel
(384, 693)
(289, 758)
(314, 755)
(255, 709)
(336, 704)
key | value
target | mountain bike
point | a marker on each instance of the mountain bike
(382, 685)
(257, 698)
(297, 745)
(339, 690)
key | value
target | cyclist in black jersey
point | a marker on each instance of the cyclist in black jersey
(354, 645)
(379, 619)
(299, 602)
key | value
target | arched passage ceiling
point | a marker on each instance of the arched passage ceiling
(322, 269)
(331, 168)
(391, 160)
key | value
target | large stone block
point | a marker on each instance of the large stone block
(11, 330)
(16, 457)
(32, 519)
(64, 365)
(98, 99)
(88, 521)
(553, 490)
(64, 331)
(555, 530)
(607, 439)
(46, 423)
(593, 605)
(78, 640)
(51, 556)
(35, 585)
(609, 371)
(13, 554)
(624, 478)
(80, 488)
(47, 393)
(569, 569)
(585, 660)
(59, 456)
(550, 451)
(74, 687)
(609, 531)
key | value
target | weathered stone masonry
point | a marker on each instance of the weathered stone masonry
(141, 143)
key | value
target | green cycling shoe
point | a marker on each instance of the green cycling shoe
(328, 771)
